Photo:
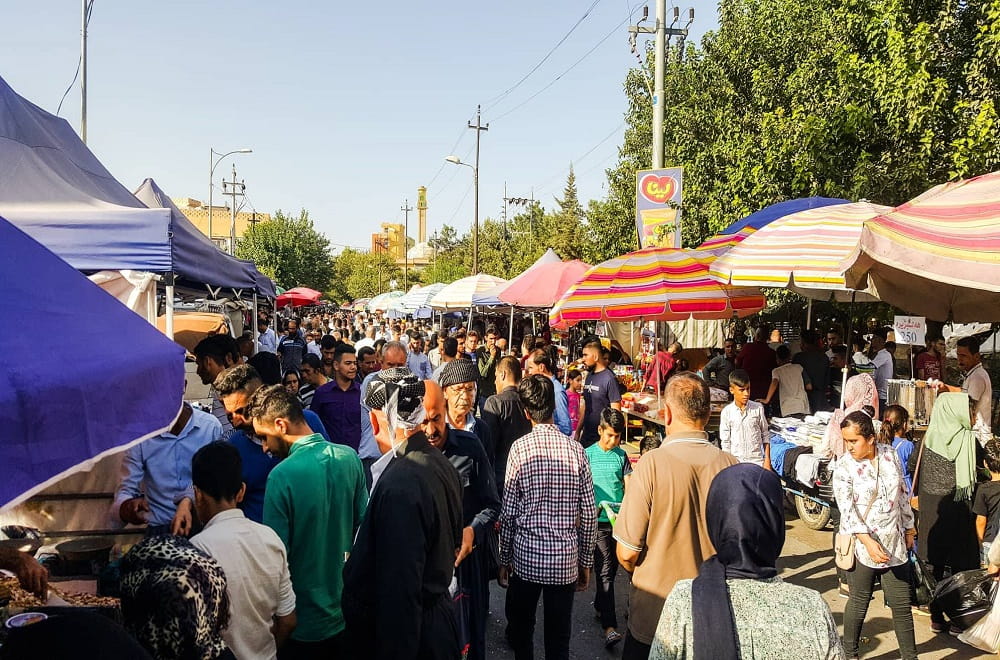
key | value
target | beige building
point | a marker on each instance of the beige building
(197, 213)
(390, 240)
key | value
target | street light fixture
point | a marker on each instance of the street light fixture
(455, 160)
(213, 162)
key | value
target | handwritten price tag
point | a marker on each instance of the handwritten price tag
(911, 330)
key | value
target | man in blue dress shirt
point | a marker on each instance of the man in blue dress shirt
(235, 387)
(156, 489)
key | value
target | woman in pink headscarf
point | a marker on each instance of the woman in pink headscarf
(860, 391)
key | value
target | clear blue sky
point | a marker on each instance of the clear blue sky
(349, 107)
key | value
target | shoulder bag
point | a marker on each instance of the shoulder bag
(843, 545)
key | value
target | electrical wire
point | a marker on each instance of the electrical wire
(607, 137)
(571, 67)
(79, 60)
(450, 151)
(464, 157)
(496, 99)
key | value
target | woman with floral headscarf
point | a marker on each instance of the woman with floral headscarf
(174, 600)
(859, 392)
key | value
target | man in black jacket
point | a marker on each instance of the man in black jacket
(396, 600)
(504, 415)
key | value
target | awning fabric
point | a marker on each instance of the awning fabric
(197, 259)
(57, 192)
(109, 380)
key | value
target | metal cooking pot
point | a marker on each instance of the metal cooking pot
(88, 548)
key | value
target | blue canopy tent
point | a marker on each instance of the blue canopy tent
(57, 192)
(57, 421)
(196, 259)
(766, 215)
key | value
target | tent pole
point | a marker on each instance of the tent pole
(850, 345)
(169, 295)
(468, 326)
(510, 331)
(256, 332)
(809, 314)
(534, 329)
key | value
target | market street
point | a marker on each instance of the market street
(807, 560)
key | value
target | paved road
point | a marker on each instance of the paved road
(807, 560)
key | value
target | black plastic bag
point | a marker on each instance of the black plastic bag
(923, 581)
(965, 597)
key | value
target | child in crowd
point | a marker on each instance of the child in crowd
(895, 430)
(609, 466)
(790, 382)
(575, 395)
(986, 506)
(743, 428)
(649, 442)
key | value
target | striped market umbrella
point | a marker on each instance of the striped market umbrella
(460, 293)
(937, 255)
(654, 284)
(803, 251)
(735, 233)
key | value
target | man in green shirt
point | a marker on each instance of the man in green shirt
(315, 500)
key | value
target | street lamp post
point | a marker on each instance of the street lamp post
(455, 160)
(213, 163)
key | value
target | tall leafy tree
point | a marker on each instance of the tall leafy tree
(290, 250)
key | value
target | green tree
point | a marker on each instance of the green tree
(445, 269)
(563, 230)
(360, 274)
(289, 250)
(874, 99)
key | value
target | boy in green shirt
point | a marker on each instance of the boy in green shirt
(609, 466)
(315, 500)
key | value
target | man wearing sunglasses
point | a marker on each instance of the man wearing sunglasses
(235, 387)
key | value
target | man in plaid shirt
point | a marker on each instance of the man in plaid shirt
(548, 526)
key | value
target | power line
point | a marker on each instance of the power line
(572, 66)
(496, 99)
(458, 140)
(437, 192)
(79, 61)
(607, 137)
(460, 202)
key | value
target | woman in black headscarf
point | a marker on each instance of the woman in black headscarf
(738, 607)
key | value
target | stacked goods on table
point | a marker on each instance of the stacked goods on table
(11, 591)
(793, 442)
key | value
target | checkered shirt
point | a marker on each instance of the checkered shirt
(548, 523)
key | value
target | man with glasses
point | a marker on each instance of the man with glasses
(458, 380)
(235, 387)
(717, 370)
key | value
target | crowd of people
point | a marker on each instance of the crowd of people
(358, 485)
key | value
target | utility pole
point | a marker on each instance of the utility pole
(83, 71)
(661, 33)
(479, 128)
(406, 208)
(233, 189)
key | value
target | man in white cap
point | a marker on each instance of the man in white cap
(393, 610)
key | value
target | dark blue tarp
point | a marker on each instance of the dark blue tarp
(56, 190)
(109, 378)
(196, 258)
(770, 213)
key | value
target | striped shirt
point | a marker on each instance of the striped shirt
(219, 411)
(548, 523)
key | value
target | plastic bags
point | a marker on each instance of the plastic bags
(924, 581)
(985, 633)
(965, 597)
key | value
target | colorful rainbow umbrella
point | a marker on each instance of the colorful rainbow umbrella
(655, 284)
(802, 251)
(937, 255)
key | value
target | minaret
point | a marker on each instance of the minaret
(422, 214)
